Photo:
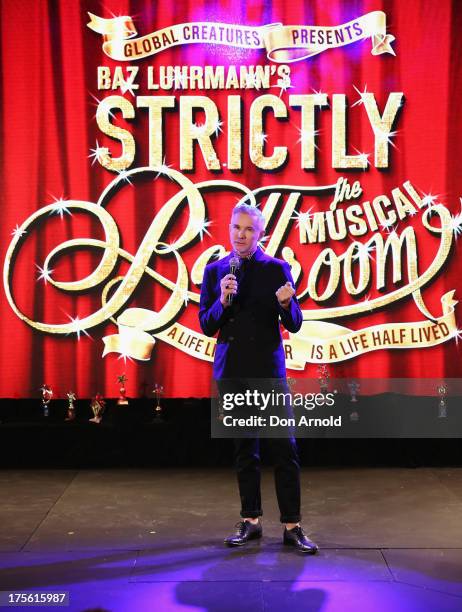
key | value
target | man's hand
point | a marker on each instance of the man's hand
(228, 286)
(284, 294)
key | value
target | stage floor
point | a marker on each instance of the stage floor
(151, 539)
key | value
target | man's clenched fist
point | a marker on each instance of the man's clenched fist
(284, 294)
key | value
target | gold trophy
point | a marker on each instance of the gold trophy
(158, 391)
(97, 405)
(323, 377)
(354, 386)
(47, 394)
(71, 397)
(292, 383)
(122, 401)
(442, 407)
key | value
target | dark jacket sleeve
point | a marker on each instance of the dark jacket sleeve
(291, 318)
(212, 313)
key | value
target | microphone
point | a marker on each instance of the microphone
(234, 265)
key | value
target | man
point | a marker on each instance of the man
(249, 346)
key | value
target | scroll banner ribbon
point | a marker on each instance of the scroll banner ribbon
(340, 343)
(283, 44)
(337, 343)
(133, 340)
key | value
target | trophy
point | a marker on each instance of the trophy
(354, 387)
(157, 391)
(323, 377)
(97, 405)
(291, 382)
(442, 407)
(47, 394)
(122, 401)
(71, 397)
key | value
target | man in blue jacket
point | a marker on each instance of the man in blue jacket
(245, 309)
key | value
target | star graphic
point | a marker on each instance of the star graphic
(97, 153)
(457, 336)
(367, 300)
(78, 327)
(201, 227)
(124, 175)
(98, 102)
(124, 87)
(389, 226)
(18, 232)
(456, 223)
(319, 96)
(381, 43)
(263, 239)
(44, 274)
(184, 294)
(302, 217)
(311, 136)
(163, 169)
(364, 158)
(217, 127)
(386, 134)
(284, 84)
(429, 199)
(261, 138)
(362, 95)
(364, 249)
(59, 207)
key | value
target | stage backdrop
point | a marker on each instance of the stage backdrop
(131, 129)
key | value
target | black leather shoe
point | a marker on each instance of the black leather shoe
(296, 537)
(245, 531)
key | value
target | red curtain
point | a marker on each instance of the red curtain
(49, 90)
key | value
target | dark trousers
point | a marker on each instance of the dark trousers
(286, 476)
(282, 446)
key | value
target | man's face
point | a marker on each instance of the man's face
(244, 233)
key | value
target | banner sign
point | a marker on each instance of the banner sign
(145, 131)
(281, 43)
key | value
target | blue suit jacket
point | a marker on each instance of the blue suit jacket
(249, 343)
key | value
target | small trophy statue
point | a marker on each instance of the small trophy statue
(354, 387)
(291, 383)
(97, 405)
(158, 391)
(354, 416)
(47, 394)
(122, 401)
(323, 377)
(442, 407)
(71, 397)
